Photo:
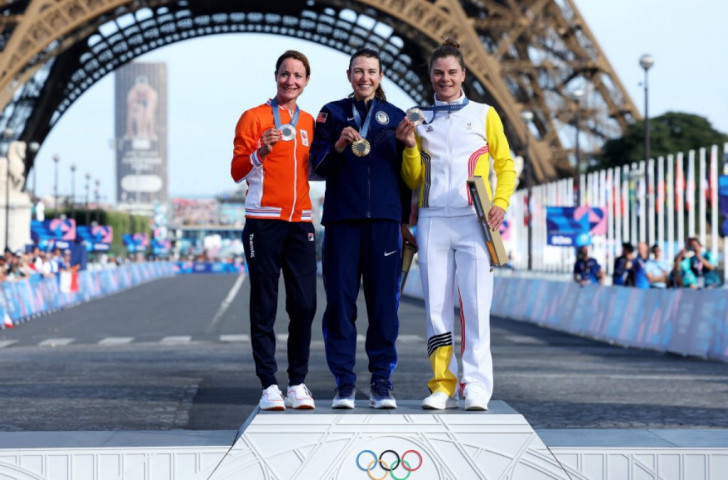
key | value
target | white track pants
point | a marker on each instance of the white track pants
(453, 259)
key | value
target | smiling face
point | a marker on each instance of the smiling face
(365, 75)
(291, 79)
(447, 77)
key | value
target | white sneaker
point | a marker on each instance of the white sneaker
(299, 397)
(272, 399)
(475, 398)
(439, 401)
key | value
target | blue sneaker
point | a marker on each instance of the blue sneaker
(379, 396)
(345, 395)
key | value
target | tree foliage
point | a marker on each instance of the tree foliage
(672, 132)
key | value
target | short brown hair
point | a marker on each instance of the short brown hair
(296, 55)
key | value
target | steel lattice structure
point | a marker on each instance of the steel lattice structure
(520, 55)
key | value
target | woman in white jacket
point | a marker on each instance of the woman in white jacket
(456, 140)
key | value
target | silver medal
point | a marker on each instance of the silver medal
(288, 132)
(415, 116)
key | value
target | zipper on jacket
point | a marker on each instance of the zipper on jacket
(295, 177)
(450, 161)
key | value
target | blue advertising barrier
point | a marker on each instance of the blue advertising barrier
(208, 267)
(682, 321)
(24, 299)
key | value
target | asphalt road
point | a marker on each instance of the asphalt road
(175, 354)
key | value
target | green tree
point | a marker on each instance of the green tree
(672, 132)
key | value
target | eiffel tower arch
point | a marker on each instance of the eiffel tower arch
(520, 55)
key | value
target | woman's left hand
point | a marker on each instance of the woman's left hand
(495, 217)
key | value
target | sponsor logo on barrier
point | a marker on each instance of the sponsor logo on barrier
(388, 462)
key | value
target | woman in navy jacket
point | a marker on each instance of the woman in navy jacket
(366, 212)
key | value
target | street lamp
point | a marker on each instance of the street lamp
(527, 117)
(96, 193)
(88, 178)
(576, 96)
(7, 135)
(56, 159)
(73, 191)
(646, 61)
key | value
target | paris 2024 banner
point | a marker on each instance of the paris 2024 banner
(141, 133)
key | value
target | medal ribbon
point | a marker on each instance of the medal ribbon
(277, 114)
(363, 129)
(448, 107)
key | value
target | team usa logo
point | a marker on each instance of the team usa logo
(382, 117)
(389, 464)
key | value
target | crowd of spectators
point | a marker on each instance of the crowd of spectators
(646, 267)
(21, 265)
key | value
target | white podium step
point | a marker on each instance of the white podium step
(406, 443)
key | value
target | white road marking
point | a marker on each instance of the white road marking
(411, 339)
(234, 338)
(116, 340)
(56, 342)
(525, 340)
(176, 340)
(226, 303)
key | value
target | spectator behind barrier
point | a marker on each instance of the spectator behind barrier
(639, 266)
(658, 270)
(586, 269)
(698, 269)
(623, 274)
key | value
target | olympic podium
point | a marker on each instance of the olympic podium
(405, 443)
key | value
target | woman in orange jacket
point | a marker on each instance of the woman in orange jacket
(271, 148)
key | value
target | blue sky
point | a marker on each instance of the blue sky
(207, 93)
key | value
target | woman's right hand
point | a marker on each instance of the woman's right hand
(269, 138)
(348, 136)
(406, 133)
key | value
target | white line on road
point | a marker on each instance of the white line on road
(234, 338)
(176, 340)
(56, 342)
(226, 303)
(116, 340)
(524, 339)
(7, 343)
(411, 338)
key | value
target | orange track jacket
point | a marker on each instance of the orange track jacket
(277, 184)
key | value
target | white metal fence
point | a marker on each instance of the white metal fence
(661, 201)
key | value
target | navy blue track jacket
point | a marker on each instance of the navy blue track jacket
(361, 188)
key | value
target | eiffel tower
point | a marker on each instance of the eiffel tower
(520, 55)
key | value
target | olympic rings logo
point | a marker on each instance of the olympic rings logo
(395, 461)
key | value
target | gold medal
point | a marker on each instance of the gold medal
(361, 147)
(415, 116)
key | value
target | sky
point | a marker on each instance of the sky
(212, 80)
